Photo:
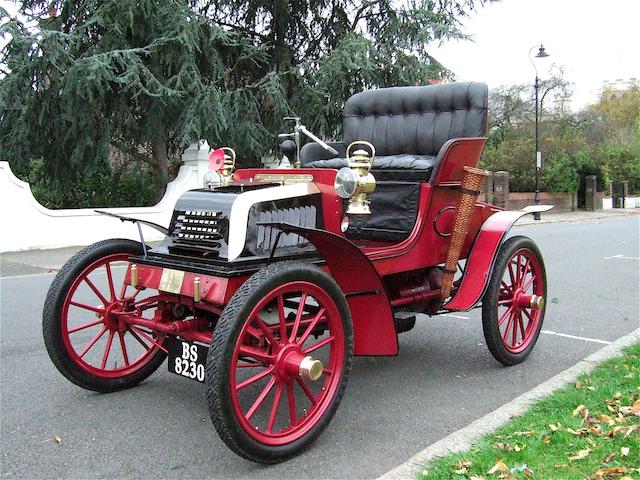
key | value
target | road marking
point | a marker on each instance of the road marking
(575, 337)
(622, 257)
(455, 316)
(29, 275)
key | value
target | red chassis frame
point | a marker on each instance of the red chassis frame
(362, 282)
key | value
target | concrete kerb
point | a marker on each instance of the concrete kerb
(464, 438)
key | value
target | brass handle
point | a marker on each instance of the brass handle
(367, 144)
(232, 155)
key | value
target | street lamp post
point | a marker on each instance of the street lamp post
(541, 54)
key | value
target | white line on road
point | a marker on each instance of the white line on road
(575, 337)
(28, 275)
(455, 316)
(621, 257)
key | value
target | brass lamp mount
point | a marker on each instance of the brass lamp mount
(355, 182)
(226, 172)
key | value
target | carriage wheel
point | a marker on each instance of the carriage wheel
(279, 361)
(514, 304)
(82, 332)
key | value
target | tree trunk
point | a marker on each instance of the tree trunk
(160, 164)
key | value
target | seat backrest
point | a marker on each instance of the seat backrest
(416, 120)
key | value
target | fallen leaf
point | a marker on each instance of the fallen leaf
(463, 466)
(606, 419)
(609, 457)
(611, 471)
(632, 410)
(596, 430)
(592, 443)
(474, 477)
(547, 439)
(554, 427)
(630, 430)
(57, 440)
(503, 447)
(579, 410)
(555, 300)
(591, 388)
(611, 409)
(578, 433)
(624, 451)
(580, 455)
(618, 395)
(425, 473)
(519, 448)
(528, 433)
(522, 469)
(499, 467)
(578, 384)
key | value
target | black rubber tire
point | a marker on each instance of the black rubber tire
(490, 302)
(222, 345)
(51, 317)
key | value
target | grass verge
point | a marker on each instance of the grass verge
(587, 430)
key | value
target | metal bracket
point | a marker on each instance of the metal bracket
(137, 221)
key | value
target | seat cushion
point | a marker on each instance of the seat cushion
(405, 167)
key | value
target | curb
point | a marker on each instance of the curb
(464, 438)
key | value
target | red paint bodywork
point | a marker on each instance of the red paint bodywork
(361, 267)
(480, 262)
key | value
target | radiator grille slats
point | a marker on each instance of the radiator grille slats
(201, 228)
(300, 216)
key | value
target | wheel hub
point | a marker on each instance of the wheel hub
(291, 362)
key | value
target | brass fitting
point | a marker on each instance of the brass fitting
(310, 369)
(358, 176)
(537, 302)
(197, 295)
(134, 275)
(226, 172)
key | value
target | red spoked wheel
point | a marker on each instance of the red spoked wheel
(83, 321)
(513, 306)
(279, 361)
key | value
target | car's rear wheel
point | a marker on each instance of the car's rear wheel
(279, 361)
(514, 304)
(82, 327)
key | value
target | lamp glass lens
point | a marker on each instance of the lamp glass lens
(211, 179)
(346, 182)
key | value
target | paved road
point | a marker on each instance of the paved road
(443, 379)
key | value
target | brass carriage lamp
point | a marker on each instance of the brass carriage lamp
(355, 182)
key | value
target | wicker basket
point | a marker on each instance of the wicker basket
(469, 191)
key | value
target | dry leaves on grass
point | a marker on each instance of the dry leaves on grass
(581, 410)
(463, 466)
(624, 451)
(498, 467)
(580, 455)
(608, 472)
(631, 410)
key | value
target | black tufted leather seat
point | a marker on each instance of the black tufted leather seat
(408, 126)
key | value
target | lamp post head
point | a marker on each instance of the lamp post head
(542, 53)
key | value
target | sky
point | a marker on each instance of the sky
(594, 40)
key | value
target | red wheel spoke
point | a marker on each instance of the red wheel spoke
(261, 398)
(112, 290)
(274, 409)
(307, 391)
(87, 307)
(511, 277)
(525, 269)
(147, 337)
(507, 301)
(86, 325)
(249, 365)
(529, 283)
(137, 337)
(254, 379)
(296, 323)
(282, 318)
(92, 342)
(504, 315)
(506, 330)
(514, 335)
(521, 322)
(311, 326)
(254, 332)
(107, 349)
(318, 345)
(507, 288)
(96, 291)
(123, 348)
(265, 330)
(292, 403)
(527, 314)
(259, 355)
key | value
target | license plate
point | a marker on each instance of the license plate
(187, 359)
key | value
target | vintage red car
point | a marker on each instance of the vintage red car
(269, 281)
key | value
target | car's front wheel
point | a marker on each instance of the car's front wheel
(279, 361)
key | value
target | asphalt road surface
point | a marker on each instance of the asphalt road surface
(443, 379)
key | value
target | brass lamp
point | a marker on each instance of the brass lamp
(226, 172)
(355, 182)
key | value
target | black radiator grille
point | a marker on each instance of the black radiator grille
(204, 229)
(299, 216)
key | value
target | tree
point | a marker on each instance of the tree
(87, 78)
